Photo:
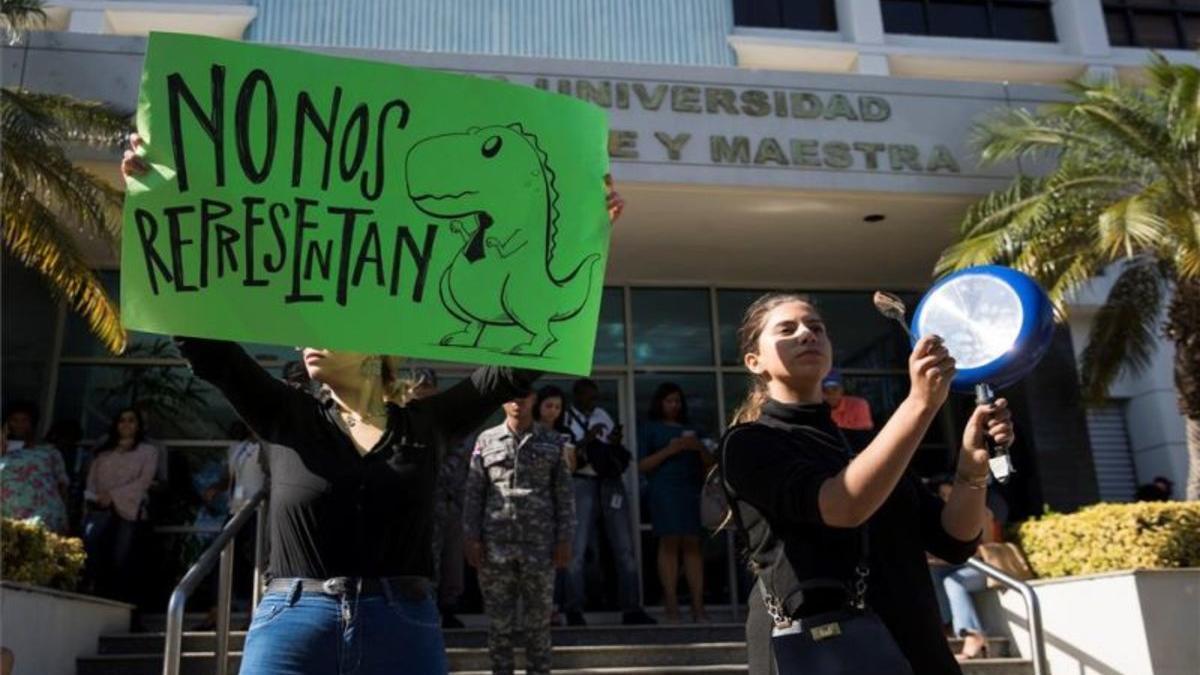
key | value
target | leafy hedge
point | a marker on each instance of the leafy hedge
(31, 554)
(1111, 537)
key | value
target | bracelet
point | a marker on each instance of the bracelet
(973, 483)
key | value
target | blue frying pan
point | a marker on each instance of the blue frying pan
(997, 323)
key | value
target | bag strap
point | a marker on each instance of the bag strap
(777, 606)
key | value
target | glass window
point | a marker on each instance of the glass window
(731, 307)
(1156, 30)
(861, 337)
(1169, 24)
(672, 327)
(1000, 19)
(1118, 28)
(736, 385)
(904, 17)
(610, 332)
(1023, 22)
(1191, 27)
(30, 318)
(806, 15)
(177, 404)
(952, 19)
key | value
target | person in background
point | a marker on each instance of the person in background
(548, 414)
(65, 435)
(849, 412)
(598, 497)
(447, 509)
(674, 459)
(519, 518)
(953, 586)
(117, 483)
(1157, 490)
(33, 480)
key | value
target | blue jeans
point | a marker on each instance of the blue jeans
(953, 586)
(592, 494)
(294, 633)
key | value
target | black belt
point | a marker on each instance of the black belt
(407, 588)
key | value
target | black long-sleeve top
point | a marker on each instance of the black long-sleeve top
(334, 512)
(777, 470)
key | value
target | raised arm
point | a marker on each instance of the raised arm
(462, 408)
(277, 412)
(852, 496)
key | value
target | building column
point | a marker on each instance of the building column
(861, 23)
(87, 21)
(1080, 26)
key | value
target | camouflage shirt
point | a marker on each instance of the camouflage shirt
(519, 498)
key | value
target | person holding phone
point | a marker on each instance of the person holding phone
(675, 460)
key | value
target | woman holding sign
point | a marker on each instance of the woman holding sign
(351, 509)
(836, 540)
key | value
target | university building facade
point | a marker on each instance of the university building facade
(820, 146)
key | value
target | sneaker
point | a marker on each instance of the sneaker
(637, 617)
(575, 619)
(451, 621)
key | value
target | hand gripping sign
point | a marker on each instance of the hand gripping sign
(296, 198)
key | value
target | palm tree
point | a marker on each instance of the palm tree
(1124, 193)
(48, 201)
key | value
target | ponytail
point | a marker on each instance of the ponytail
(751, 408)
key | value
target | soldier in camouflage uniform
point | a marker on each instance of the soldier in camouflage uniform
(519, 518)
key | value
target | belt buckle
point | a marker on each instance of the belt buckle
(334, 586)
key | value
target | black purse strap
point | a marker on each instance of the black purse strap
(780, 607)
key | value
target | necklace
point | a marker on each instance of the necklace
(353, 419)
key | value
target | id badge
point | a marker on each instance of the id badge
(616, 501)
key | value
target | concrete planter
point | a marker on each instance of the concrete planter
(1141, 622)
(48, 629)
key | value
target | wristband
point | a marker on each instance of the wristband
(973, 483)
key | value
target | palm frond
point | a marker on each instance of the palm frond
(1179, 86)
(32, 235)
(19, 16)
(1019, 133)
(1124, 332)
(1130, 226)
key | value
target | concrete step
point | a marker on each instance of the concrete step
(199, 663)
(148, 643)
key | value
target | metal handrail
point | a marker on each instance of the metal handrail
(1033, 610)
(222, 548)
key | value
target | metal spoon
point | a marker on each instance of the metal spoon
(892, 307)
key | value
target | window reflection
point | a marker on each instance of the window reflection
(672, 327)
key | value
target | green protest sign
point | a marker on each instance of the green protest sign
(302, 199)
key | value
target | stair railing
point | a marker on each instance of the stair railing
(222, 550)
(1033, 611)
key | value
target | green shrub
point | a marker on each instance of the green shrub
(1111, 537)
(31, 554)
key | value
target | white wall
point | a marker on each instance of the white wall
(1145, 622)
(1157, 435)
(47, 630)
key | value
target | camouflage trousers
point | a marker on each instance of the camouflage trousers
(505, 585)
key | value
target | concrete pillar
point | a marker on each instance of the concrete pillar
(1080, 26)
(873, 64)
(87, 21)
(860, 22)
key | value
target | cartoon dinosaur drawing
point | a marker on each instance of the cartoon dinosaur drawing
(501, 276)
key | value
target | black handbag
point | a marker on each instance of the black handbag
(850, 640)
